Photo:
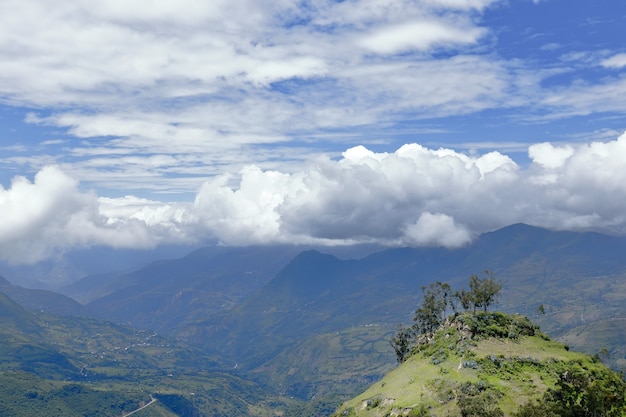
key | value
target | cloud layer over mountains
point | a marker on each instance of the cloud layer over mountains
(414, 196)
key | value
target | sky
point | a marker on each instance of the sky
(134, 124)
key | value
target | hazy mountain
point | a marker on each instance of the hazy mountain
(74, 265)
(42, 300)
(166, 294)
(14, 316)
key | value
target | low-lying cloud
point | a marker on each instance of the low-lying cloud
(415, 196)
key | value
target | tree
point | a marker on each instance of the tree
(401, 343)
(465, 298)
(541, 309)
(432, 312)
(484, 291)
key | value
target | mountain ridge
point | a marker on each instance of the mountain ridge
(42, 300)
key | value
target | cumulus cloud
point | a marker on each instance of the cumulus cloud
(420, 196)
(414, 196)
(51, 214)
(247, 214)
(550, 156)
(437, 230)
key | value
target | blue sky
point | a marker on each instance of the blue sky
(425, 122)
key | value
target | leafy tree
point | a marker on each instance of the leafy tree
(465, 298)
(432, 312)
(484, 291)
(603, 355)
(437, 299)
(401, 343)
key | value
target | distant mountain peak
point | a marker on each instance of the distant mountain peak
(517, 228)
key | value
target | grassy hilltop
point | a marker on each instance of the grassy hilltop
(492, 364)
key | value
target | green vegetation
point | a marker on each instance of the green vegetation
(493, 364)
(580, 391)
(70, 366)
(488, 364)
(23, 394)
(437, 300)
(330, 368)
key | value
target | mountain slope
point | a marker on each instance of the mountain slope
(166, 294)
(75, 366)
(42, 300)
(13, 315)
(465, 369)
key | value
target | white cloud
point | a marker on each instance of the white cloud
(50, 215)
(419, 35)
(437, 230)
(461, 4)
(413, 196)
(549, 156)
(173, 72)
(204, 82)
(247, 214)
(584, 98)
(616, 61)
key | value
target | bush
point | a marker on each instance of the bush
(421, 411)
(498, 324)
(373, 402)
(478, 400)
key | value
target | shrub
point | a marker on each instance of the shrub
(421, 411)
(478, 400)
(498, 324)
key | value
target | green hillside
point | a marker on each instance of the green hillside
(12, 315)
(492, 364)
(41, 300)
(71, 366)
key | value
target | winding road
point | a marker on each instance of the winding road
(152, 401)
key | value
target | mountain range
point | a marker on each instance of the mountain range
(317, 327)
